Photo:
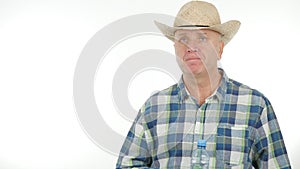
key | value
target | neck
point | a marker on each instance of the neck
(203, 85)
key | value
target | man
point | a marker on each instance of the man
(237, 122)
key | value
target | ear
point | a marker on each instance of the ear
(221, 47)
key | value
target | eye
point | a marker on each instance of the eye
(203, 38)
(183, 40)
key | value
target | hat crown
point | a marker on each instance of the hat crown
(197, 13)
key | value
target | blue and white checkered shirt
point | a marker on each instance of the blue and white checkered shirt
(238, 123)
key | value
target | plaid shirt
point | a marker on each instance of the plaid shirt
(238, 123)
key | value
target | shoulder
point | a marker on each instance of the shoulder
(245, 93)
(157, 103)
(160, 97)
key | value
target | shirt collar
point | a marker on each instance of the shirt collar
(183, 94)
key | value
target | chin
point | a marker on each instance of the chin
(194, 72)
(196, 69)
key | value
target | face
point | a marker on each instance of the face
(198, 51)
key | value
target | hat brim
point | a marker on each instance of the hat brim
(227, 29)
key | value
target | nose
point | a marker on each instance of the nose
(192, 46)
(191, 49)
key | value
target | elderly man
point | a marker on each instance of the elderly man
(237, 122)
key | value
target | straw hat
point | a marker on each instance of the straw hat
(200, 15)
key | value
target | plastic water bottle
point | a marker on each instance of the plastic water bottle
(200, 157)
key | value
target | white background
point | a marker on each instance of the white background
(40, 42)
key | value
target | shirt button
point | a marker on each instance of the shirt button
(186, 97)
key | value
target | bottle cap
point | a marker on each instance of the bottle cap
(201, 143)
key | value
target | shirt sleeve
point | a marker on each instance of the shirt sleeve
(134, 152)
(270, 150)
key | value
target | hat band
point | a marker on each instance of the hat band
(193, 26)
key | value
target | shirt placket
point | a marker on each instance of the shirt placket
(200, 122)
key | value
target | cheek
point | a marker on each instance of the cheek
(179, 50)
(211, 52)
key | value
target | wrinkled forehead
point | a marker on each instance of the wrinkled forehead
(196, 32)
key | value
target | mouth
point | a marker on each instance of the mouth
(192, 59)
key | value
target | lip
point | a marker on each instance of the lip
(192, 59)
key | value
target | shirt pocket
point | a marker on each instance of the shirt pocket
(232, 145)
